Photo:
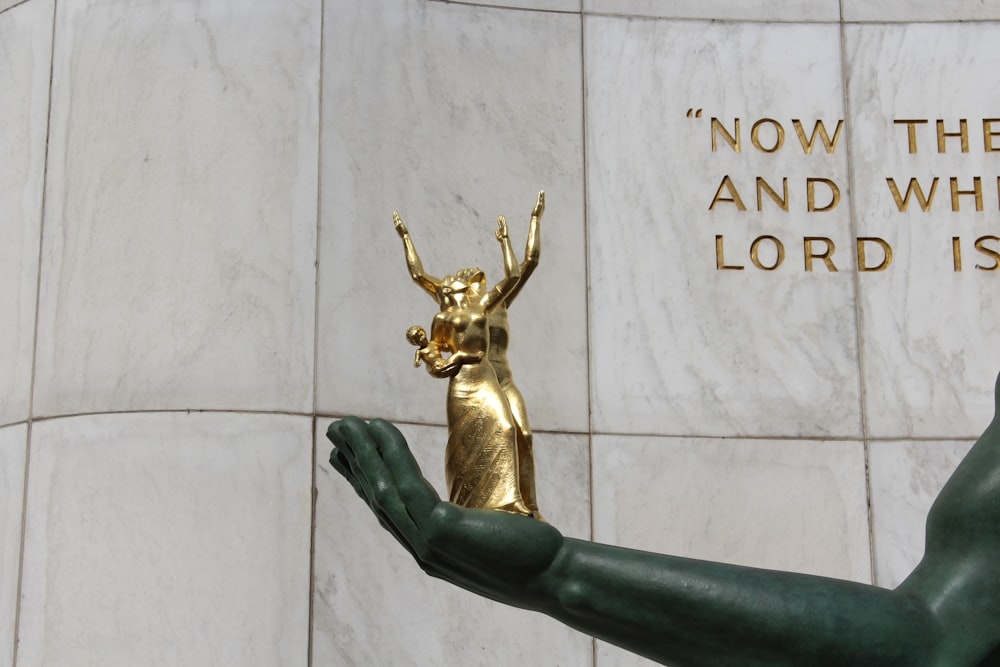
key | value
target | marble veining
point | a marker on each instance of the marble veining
(930, 335)
(13, 445)
(429, 110)
(678, 345)
(785, 505)
(167, 539)
(25, 53)
(179, 250)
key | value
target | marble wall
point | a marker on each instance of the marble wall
(199, 272)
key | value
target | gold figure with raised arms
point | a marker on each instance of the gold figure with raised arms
(489, 461)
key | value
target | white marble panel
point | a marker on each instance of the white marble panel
(680, 346)
(906, 477)
(930, 335)
(13, 442)
(167, 539)
(452, 115)
(783, 505)
(752, 10)
(374, 606)
(25, 54)
(539, 5)
(179, 247)
(920, 10)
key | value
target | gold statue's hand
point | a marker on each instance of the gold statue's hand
(501, 232)
(539, 206)
(400, 227)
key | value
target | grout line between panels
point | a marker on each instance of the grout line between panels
(16, 4)
(586, 282)
(313, 491)
(720, 19)
(34, 339)
(484, 5)
(858, 311)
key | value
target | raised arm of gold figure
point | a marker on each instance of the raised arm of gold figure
(532, 248)
(429, 283)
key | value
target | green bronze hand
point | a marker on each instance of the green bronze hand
(495, 554)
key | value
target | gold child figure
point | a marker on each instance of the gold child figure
(489, 461)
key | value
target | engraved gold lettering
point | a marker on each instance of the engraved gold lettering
(911, 130)
(989, 133)
(719, 128)
(811, 194)
(818, 129)
(720, 260)
(810, 254)
(963, 132)
(734, 198)
(989, 252)
(956, 253)
(862, 255)
(913, 188)
(779, 135)
(755, 257)
(977, 190)
(762, 186)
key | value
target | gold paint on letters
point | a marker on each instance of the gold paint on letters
(913, 188)
(811, 194)
(756, 259)
(989, 133)
(720, 260)
(810, 255)
(807, 144)
(886, 249)
(762, 186)
(911, 130)
(977, 190)
(989, 252)
(963, 132)
(779, 132)
(734, 142)
(734, 199)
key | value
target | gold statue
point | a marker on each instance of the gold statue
(489, 461)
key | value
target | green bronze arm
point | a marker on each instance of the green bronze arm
(681, 611)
